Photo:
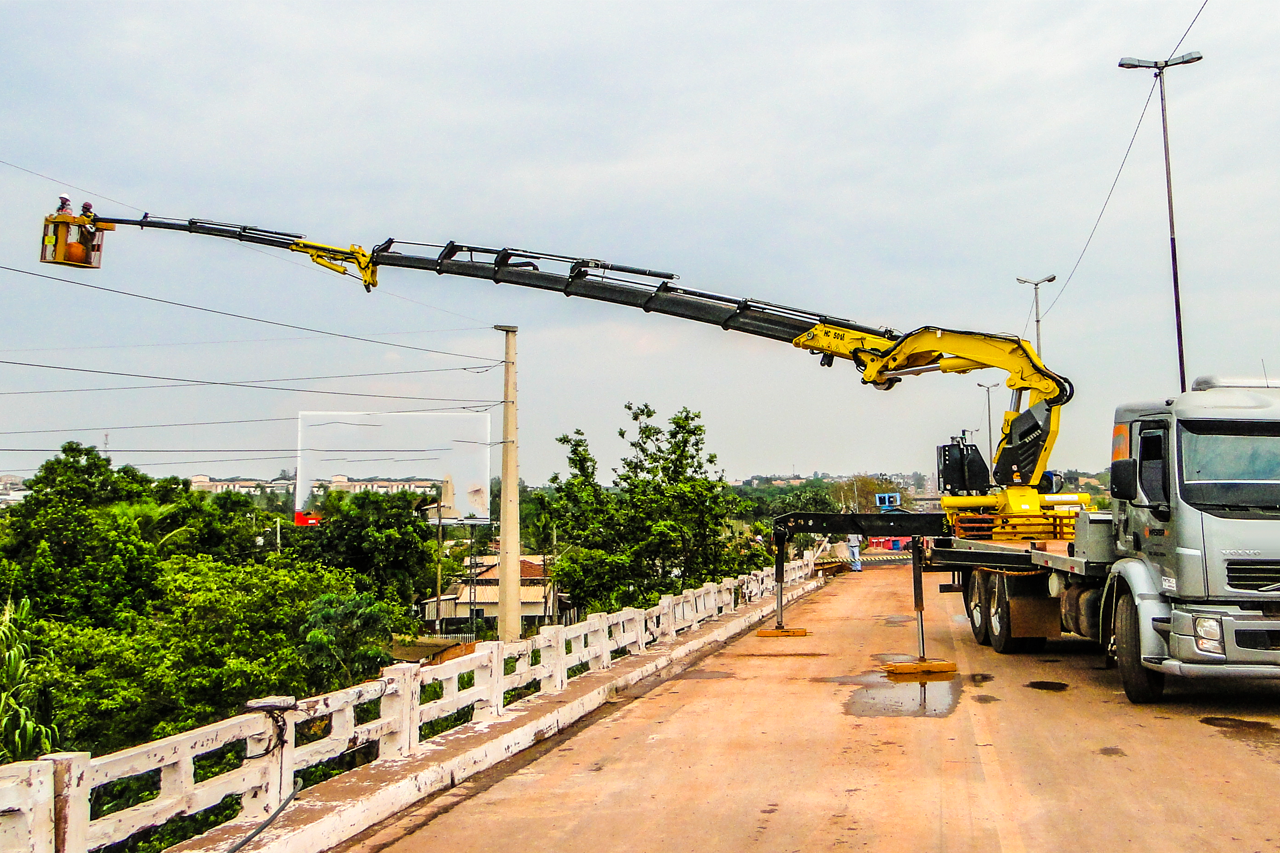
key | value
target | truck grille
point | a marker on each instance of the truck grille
(1259, 640)
(1253, 575)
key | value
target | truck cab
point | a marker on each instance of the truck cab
(1194, 586)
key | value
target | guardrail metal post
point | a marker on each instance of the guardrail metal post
(70, 800)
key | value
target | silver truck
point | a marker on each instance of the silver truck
(1181, 577)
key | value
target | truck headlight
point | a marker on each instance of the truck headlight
(1209, 636)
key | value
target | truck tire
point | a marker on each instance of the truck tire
(1141, 685)
(975, 602)
(999, 625)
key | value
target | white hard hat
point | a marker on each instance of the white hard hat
(64, 195)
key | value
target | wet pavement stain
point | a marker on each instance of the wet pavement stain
(703, 674)
(896, 621)
(984, 699)
(893, 657)
(885, 696)
(978, 679)
(1252, 732)
(1114, 751)
(1049, 686)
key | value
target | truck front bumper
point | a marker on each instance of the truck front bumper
(1217, 670)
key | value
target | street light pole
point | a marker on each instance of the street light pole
(1160, 66)
(991, 455)
(1036, 285)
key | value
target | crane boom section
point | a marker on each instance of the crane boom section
(883, 355)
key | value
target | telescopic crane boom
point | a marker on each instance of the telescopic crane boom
(884, 356)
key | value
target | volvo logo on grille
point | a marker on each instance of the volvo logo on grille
(1236, 552)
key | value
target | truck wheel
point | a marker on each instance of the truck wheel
(1141, 685)
(975, 601)
(999, 625)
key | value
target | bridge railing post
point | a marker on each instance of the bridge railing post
(26, 807)
(400, 704)
(633, 623)
(598, 641)
(711, 597)
(489, 676)
(273, 751)
(667, 627)
(553, 658)
(71, 791)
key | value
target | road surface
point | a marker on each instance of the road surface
(798, 744)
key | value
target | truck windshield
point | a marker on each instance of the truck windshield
(1231, 464)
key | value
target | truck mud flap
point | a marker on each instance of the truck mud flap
(1035, 617)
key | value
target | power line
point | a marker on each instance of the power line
(73, 186)
(233, 315)
(293, 450)
(287, 260)
(1123, 160)
(1105, 202)
(194, 384)
(488, 403)
(238, 341)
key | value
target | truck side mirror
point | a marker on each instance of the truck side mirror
(1124, 479)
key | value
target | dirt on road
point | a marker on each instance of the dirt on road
(800, 744)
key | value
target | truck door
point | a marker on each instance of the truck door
(1150, 524)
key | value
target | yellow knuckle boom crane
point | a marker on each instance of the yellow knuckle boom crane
(1025, 501)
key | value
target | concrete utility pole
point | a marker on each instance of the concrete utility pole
(509, 532)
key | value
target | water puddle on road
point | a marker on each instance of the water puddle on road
(1253, 732)
(1048, 686)
(884, 695)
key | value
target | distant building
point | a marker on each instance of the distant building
(479, 600)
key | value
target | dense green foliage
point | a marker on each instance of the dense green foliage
(149, 608)
(21, 736)
(664, 526)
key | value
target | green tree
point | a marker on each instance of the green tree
(21, 735)
(390, 549)
(215, 636)
(662, 527)
(347, 637)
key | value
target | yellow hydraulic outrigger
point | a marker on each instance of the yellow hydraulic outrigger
(1021, 507)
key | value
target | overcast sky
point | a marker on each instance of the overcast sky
(894, 163)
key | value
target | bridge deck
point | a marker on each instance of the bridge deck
(795, 744)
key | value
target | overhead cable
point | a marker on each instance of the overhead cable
(233, 315)
(1123, 160)
(242, 384)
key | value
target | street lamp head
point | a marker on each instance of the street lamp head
(1159, 65)
(1041, 281)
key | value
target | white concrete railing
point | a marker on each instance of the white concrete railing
(45, 804)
